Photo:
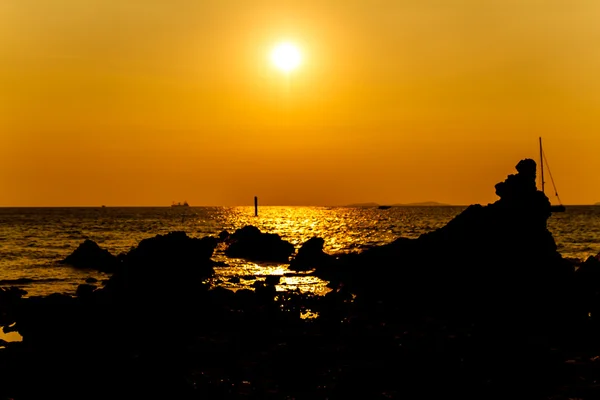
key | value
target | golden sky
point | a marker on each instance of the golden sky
(145, 102)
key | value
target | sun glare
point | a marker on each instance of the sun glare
(286, 57)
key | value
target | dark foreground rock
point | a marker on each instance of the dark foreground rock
(484, 308)
(250, 243)
(164, 266)
(310, 255)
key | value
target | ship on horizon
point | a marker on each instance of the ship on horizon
(179, 204)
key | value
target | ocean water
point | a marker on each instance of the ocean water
(34, 240)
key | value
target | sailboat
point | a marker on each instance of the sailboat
(553, 208)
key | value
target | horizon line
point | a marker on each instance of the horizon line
(351, 205)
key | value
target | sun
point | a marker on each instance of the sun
(286, 57)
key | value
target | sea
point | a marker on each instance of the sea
(33, 241)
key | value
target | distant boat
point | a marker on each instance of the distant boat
(184, 204)
(553, 208)
(384, 207)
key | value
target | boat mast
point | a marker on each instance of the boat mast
(541, 165)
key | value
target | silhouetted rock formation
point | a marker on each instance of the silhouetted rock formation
(223, 235)
(173, 263)
(310, 255)
(508, 232)
(488, 258)
(90, 255)
(250, 243)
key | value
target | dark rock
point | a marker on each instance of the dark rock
(224, 235)
(310, 255)
(590, 269)
(587, 278)
(488, 258)
(9, 297)
(85, 290)
(258, 283)
(220, 264)
(251, 244)
(265, 292)
(173, 262)
(90, 255)
(18, 281)
(505, 238)
(272, 279)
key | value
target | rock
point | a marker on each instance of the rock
(272, 279)
(85, 290)
(265, 292)
(251, 244)
(224, 235)
(498, 258)
(510, 231)
(9, 298)
(90, 255)
(310, 255)
(18, 281)
(173, 262)
(587, 278)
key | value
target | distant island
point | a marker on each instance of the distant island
(420, 204)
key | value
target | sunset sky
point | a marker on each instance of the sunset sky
(146, 102)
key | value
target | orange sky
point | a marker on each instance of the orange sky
(145, 102)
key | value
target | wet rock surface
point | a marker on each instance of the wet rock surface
(484, 308)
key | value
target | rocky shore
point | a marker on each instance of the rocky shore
(483, 308)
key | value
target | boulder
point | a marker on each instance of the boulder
(310, 255)
(251, 244)
(173, 262)
(90, 255)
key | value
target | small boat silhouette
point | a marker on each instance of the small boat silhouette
(179, 204)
